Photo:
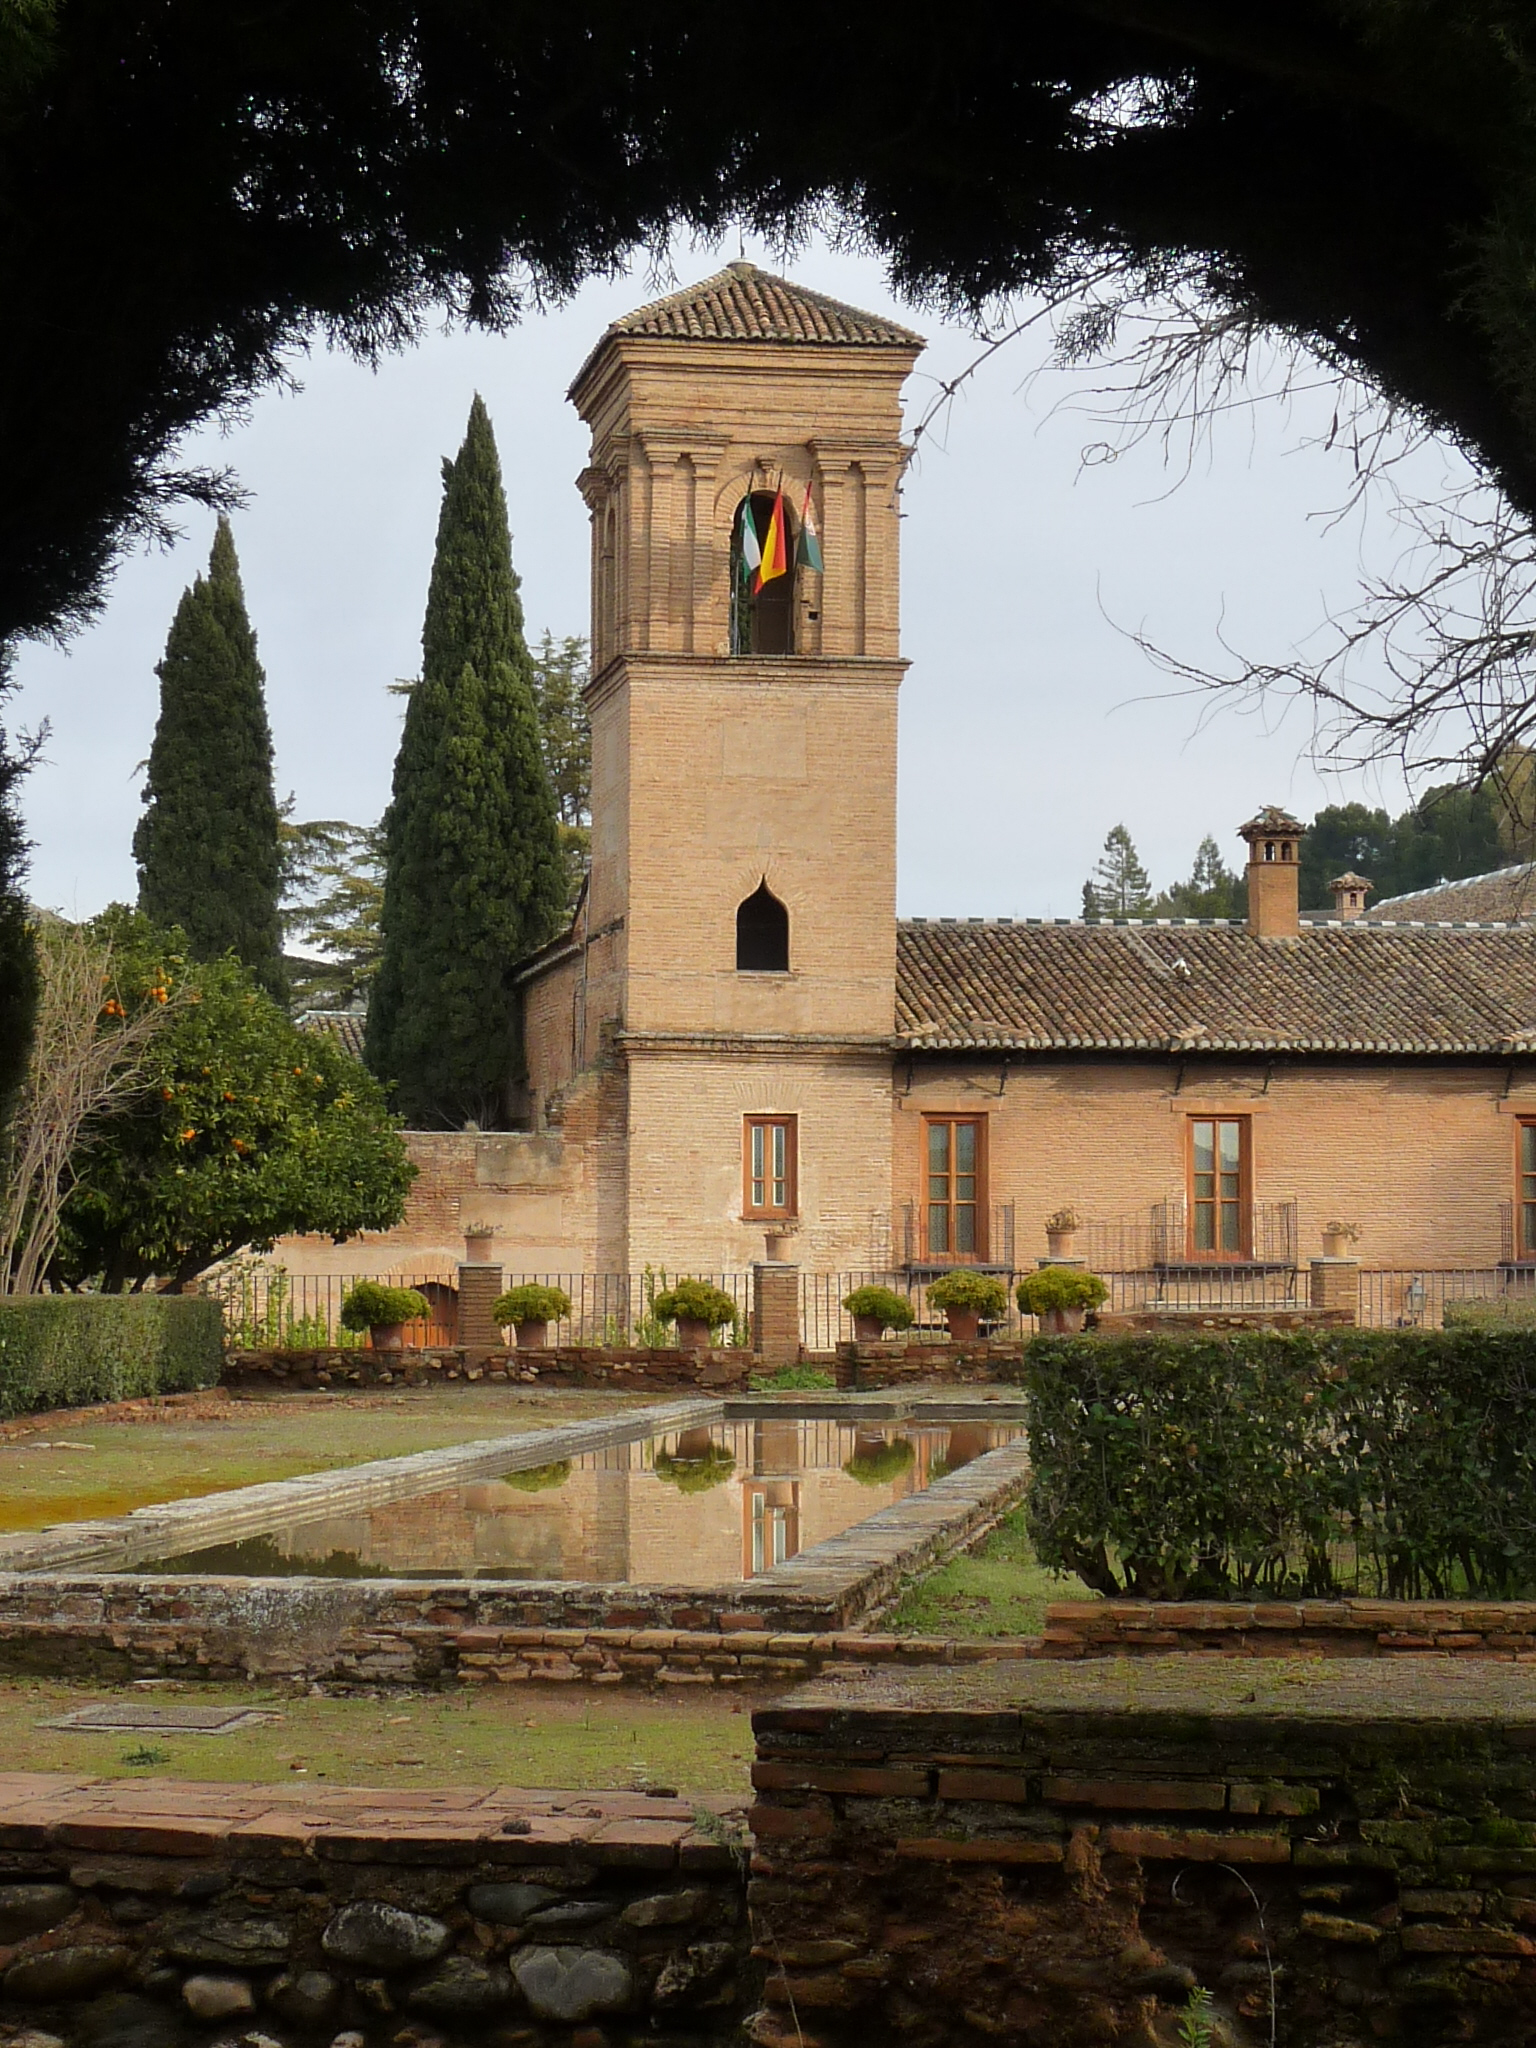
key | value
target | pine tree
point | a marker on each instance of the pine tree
(207, 845)
(560, 675)
(20, 979)
(1211, 891)
(1118, 886)
(474, 878)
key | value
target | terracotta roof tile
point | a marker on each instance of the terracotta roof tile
(1214, 987)
(345, 1027)
(743, 303)
(1506, 894)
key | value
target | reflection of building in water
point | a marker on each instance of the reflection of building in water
(614, 1517)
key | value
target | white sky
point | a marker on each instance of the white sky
(1030, 722)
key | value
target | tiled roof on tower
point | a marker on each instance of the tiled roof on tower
(743, 303)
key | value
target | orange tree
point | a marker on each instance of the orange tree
(245, 1129)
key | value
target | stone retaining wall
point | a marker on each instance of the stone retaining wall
(1034, 1855)
(1302, 1628)
(169, 1916)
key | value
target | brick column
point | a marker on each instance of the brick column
(477, 1332)
(776, 1313)
(1336, 1284)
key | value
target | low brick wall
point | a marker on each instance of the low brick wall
(895, 1363)
(1206, 1322)
(1034, 1855)
(572, 1365)
(176, 1914)
(1301, 1628)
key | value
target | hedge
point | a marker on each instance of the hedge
(1394, 1463)
(67, 1350)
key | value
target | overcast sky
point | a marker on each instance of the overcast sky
(1031, 723)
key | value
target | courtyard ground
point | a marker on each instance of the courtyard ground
(85, 1465)
(514, 1735)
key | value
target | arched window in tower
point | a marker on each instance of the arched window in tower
(762, 933)
(608, 587)
(763, 548)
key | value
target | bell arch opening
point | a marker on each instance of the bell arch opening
(762, 933)
(762, 611)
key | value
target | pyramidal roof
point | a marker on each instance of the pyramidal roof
(743, 303)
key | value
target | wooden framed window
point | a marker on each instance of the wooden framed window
(1525, 1192)
(770, 1166)
(956, 1167)
(1220, 1182)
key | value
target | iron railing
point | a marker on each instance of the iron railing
(267, 1308)
(993, 1255)
(1160, 1241)
(1415, 1299)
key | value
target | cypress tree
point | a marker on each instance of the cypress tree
(473, 879)
(207, 846)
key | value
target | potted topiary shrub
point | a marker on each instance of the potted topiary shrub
(965, 1298)
(876, 1310)
(1058, 1297)
(1061, 1228)
(698, 1308)
(530, 1309)
(382, 1311)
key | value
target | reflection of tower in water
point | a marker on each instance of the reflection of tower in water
(770, 1499)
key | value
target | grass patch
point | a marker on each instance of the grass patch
(997, 1589)
(499, 1736)
(85, 1470)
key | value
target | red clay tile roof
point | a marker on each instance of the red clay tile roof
(344, 1026)
(743, 303)
(1186, 987)
(1505, 894)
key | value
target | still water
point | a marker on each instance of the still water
(700, 1507)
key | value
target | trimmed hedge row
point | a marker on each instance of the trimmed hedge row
(68, 1350)
(1392, 1463)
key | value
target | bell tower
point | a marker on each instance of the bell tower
(741, 919)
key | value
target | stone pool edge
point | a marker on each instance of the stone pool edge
(788, 1623)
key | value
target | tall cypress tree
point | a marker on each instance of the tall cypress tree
(207, 845)
(18, 953)
(474, 878)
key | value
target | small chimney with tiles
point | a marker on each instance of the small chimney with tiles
(1349, 894)
(1274, 873)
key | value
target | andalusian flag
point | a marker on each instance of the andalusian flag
(775, 560)
(810, 544)
(751, 549)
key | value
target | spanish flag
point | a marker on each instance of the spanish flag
(775, 560)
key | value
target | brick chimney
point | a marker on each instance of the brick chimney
(1349, 894)
(1274, 873)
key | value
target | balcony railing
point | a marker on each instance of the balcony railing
(993, 1253)
(1161, 1241)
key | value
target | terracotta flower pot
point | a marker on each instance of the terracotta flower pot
(1059, 1243)
(478, 1246)
(1061, 1322)
(1336, 1244)
(868, 1329)
(964, 1324)
(532, 1336)
(692, 1335)
(387, 1336)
